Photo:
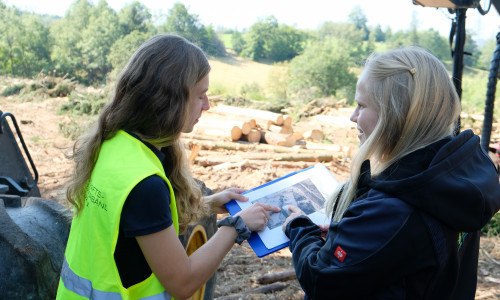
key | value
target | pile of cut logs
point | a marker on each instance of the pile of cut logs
(258, 138)
(251, 125)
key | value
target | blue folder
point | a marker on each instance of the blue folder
(255, 241)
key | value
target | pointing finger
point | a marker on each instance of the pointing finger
(271, 208)
(294, 209)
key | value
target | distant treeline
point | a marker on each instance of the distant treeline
(91, 41)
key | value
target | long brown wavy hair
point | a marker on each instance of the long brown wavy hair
(151, 100)
(417, 105)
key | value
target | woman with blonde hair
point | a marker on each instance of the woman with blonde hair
(132, 189)
(406, 225)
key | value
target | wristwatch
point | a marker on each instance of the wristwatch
(238, 224)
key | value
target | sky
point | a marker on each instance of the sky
(237, 14)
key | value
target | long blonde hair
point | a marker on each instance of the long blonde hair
(150, 100)
(417, 105)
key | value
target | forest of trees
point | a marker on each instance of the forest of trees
(91, 41)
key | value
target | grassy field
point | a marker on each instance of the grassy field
(229, 74)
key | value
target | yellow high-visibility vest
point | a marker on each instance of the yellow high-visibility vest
(89, 269)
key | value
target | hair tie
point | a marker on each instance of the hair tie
(413, 71)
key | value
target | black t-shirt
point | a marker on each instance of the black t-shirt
(146, 211)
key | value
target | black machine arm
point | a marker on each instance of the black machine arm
(3, 121)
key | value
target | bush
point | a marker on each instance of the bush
(83, 104)
(252, 91)
(218, 89)
(13, 89)
(493, 226)
(276, 106)
(62, 88)
(52, 85)
(73, 129)
(322, 69)
(238, 101)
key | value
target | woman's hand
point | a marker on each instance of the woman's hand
(217, 201)
(324, 230)
(257, 216)
(295, 212)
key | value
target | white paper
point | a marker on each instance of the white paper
(308, 189)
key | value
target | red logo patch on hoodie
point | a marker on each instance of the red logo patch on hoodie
(340, 254)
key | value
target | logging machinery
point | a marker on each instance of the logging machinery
(457, 42)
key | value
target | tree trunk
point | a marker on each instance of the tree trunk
(315, 135)
(279, 276)
(252, 137)
(279, 139)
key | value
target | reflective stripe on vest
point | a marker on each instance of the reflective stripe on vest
(83, 287)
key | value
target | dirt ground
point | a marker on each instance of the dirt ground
(240, 270)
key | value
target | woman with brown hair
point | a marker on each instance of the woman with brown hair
(132, 189)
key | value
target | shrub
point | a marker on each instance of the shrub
(218, 89)
(493, 226)
(13, 89)
(238, 101)
(53, 85)
(83, 104)
(276, 106)
(73, 129)
(252, 91)
(62, 88)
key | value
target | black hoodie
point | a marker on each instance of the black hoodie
(411, 233)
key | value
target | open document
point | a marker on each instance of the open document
(307, 189)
